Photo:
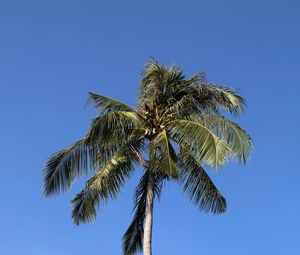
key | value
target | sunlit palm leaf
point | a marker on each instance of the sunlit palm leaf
(120, 123)
(201, 141)
(237, 138)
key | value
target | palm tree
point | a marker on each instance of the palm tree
(176, 129)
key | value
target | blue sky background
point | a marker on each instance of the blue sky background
(53, 52)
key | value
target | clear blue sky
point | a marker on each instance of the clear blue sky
(53, 52)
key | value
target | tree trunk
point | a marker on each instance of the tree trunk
(149, 217)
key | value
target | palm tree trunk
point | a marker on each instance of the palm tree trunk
(149, 216)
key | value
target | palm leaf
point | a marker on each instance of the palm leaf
(65, 166)
(112, 130)
(211, 97)
(186, 105)
(199, 187)
(237, 138)
(197, 95)
(107, 134)
(178, 86)
(106, 104)
(162, 155)
(201, 141)
(106, 183)
(120, 122)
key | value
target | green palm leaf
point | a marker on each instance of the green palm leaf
(120, 123)
(201, 141)
(163, 155)
(211, 97)
(196, 95)
(183, 107)
(106, 183)
(237, 138)
(113, 130)
(65, 166)
(106, 104)
(107, 134)
(199, 187)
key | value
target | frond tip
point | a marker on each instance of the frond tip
(65, 166)
(106, 104)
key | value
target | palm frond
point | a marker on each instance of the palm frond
(106, 183)
(65, 166)
(211, 97)
(162, 155)
(107, 134)
(133, 237)
(199, 187)
(114, 128)
(201, 141)
(106, 104)
(186, 105)
(180, 87)
(237, 138)
(197, 95)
